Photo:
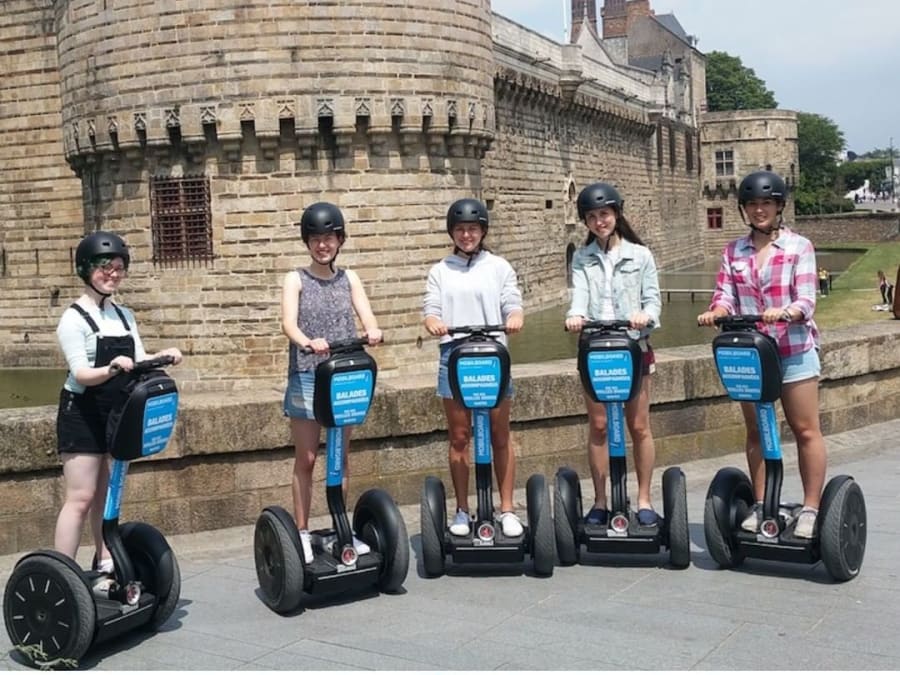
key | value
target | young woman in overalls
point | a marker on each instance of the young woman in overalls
(100, 342)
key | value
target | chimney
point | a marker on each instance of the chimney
(615, 19)
(583, 10)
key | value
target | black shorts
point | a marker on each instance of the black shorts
(80, 424)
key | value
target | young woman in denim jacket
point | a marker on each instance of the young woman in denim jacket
(614, 278)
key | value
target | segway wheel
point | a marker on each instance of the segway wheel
(279, 568)
(540, 523)
(674, 488)
(728, 500)
(433, 522)
(155, 566)
(842, 528)
(377, 521)
(566, 515)
(49, 612)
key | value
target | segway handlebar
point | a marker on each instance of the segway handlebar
(482, 331)
(342, 346)
(146, 365)
(618, 325)
(743, 321)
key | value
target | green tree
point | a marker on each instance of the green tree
(819, 144)
(730, 85)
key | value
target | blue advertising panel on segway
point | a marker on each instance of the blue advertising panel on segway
(345, 384)
(479, 373)
(609, 366)
(143, 425)
(749, 365)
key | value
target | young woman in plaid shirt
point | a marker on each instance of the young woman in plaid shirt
(772, 272)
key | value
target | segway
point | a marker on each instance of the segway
(479, 379)
(345, 384)
(749, 367)
(52, 611)
(610, 366)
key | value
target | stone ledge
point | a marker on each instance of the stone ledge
(248, 421)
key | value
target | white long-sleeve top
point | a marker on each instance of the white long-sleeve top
(484, 292)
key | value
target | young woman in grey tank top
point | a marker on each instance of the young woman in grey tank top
(318, 304)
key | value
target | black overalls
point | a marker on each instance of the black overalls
(81, 419)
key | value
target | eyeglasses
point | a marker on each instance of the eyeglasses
(111, 268)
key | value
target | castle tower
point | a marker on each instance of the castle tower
(201, 134)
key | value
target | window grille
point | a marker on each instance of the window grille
(180, 219)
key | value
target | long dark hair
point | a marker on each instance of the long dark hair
(623, 228)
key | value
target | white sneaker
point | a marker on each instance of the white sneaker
(460, 526)
(806, 523)
(361, 547)
(306, 541)
(510, 524)
(751, 522)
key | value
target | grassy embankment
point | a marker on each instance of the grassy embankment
(855, 291)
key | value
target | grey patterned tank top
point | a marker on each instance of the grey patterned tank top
(326, 311)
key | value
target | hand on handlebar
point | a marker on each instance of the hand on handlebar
(514, 323)
(318, 346)
(435, 326)
(374, 336)
(708, 318)
(574, 324)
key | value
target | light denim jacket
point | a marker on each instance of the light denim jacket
(635, 284)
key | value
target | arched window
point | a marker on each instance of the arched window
(570, 253)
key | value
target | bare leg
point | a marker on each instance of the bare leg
(82, 474)
(504, 457)
(459, 431)
(97, 508)
(598, 452)
(800, 401)
(637, 416)
(306, 446)
(753, 449)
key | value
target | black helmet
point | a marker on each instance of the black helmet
(467, 211)
(96, 245)
(598, 195)
(321, 218)
(762, 185)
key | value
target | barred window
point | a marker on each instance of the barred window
(180, 219)
(714, 219)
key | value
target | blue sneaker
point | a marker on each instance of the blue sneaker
(647, 517)
(597, 516)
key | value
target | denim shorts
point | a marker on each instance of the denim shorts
(298, 396)
(801, 366)
(443, 383)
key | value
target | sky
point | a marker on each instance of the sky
(835, 58)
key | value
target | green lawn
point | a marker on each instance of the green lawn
(856, 290)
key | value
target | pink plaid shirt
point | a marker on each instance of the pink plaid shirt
(787, 280)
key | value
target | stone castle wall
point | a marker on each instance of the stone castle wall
(281, 104)
(40, 197)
